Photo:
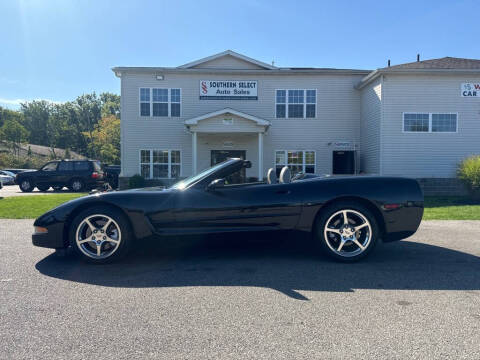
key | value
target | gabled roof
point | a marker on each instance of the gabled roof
(195, 120)
(441, 63)
(227, 53)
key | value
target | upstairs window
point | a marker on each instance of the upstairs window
(175, 102)
(144, 102)
(444, 122)
(296, 103)
(429, 122)
(160, 102)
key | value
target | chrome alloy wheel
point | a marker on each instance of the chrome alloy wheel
(348, 233)
(98, 236)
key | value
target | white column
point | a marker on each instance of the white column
(194, 153)
(260, 156)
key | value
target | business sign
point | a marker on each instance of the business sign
(342, 144)
(470, 90)
(228, 90)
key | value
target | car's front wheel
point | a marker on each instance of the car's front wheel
(346, 231)
(100, 235)
(26, 185)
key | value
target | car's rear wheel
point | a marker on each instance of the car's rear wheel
(346, 231)
(26, 185)
(100, 235)
(43, 187)
(76, 185)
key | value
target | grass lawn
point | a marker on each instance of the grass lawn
(451, 208)
(31, 206)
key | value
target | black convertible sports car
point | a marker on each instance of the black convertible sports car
(347, 216)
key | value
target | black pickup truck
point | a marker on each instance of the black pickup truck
(77, 175)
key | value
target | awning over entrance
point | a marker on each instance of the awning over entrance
(225, 121)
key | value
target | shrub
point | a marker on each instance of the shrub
(469, 173)
(136, 181)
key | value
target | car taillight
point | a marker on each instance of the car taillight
(95, 175)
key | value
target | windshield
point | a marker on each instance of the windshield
(194, 178)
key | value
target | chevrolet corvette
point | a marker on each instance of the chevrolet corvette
(346, 215)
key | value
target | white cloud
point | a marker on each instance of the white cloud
(15, 103)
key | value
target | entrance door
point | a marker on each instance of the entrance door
(217, 156)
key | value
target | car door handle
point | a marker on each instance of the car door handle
(283, 192)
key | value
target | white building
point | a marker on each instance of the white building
(417, 119)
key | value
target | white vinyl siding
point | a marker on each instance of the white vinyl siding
(296, 160)
(429, 122)
(160, 102)
(160, 164)
(299, 104)
(338, 118)
(427, 154)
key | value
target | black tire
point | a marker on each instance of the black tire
(57, 188)
(43, 187)
(76, 185)
(26, 185)
(328, 245)
(126, 234)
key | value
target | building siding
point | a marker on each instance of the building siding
(338, 116)
(424, 155)
(371, 105)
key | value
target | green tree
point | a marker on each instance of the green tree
(36, 115)
(14, 134)
(106, 139)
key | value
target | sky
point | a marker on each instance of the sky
(57, 50)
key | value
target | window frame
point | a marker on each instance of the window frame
(169, 103)
(151, 163)
(304, 163)
(430, 123)
(305, 103)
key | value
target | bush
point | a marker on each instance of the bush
(469, 173)
(136, 181)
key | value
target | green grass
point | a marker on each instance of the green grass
(451, 208)
(30, 207)
(436, 208)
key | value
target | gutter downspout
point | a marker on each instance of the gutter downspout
(380, 150)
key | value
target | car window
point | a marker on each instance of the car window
(65, 166)
(50, 166)
(81, 165)
(97, 166)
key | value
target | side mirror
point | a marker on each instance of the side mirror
(215, 184)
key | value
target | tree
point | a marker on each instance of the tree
(14, 133)
(36, 115)
(105, 139)
(6, 114)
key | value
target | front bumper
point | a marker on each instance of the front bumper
(53, 239)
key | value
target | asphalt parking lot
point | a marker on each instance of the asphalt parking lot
(226, 298)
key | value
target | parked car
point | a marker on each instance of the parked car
(77, 175)
(111, 175)
(347, 216)
(7, 177)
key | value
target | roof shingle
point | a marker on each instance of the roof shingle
(441, 63)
